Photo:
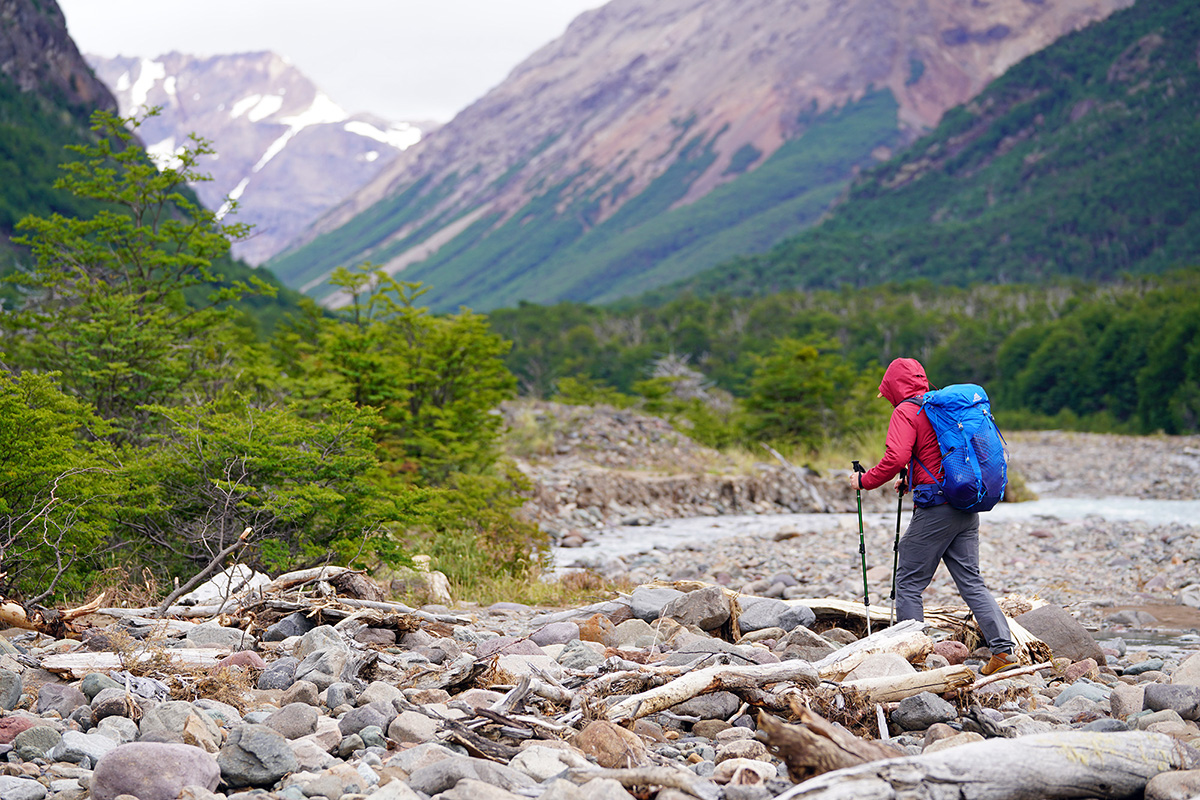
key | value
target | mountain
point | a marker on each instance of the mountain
(656, 138)
(284, 150)
(47, 95)
(1081, 161)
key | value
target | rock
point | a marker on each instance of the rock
(166, 722)
(1062, 633)
(243, 658)
(1142, 667)
(395, 790)
(379, 637)
(1082, 688)
(742, 749)
(60, 697)
(1126, 700)
(377, 714)
(542, 763)
(296, 624)
(709, 728)
(1188, 673)
(323, 668)
(952, 651)
(1133, 618)
(881, 665)
(743, 771)
(604, 789)
(469, 789)
(1088, 668)
(633, 634)
(302, 692)
(1180, 785)
(414, 758)
(1106, 725)
(922, 710)
(153, 771)
(555, 633)
(12, 788)
(713, 705)
(112, 703)
(611, 745)
(212, 634)
(76, 746)
(293, 720)
(507, 645)
(10, 689)
(11, 726)
(412, 726)
(36, 742)
(255, 755)
(648, 602)
(1182, 699)
(966, 737)
(442, 776)
(595, 628)
(380, 692)
(1157, 717)
(707, 608)
(578, 656)
(279, 674)
(121, 730)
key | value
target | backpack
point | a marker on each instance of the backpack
(974, 453)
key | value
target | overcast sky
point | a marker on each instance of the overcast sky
(401, 59)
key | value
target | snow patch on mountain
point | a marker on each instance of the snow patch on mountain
(401, 136)
(151, 73)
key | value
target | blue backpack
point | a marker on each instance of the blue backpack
(974, 454)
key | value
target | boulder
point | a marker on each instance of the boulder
(918, 712)
(1062, 633)
(612, 746)
(1184, 700)
(255, 755)
(648, 602)
(707, 608)
(153, 771)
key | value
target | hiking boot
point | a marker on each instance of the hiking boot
(999, 663)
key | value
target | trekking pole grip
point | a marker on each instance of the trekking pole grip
(858, 467)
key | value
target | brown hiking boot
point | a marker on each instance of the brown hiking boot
(999, 663)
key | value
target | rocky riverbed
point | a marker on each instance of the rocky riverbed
(320, 687)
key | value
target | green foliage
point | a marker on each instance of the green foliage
(105, 301)
(58, 487)
(303, 484)
(586, 391)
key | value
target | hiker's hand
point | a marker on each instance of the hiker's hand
(901, 486)
(854, 476)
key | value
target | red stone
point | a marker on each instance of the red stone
(242, 658)
(11, 726)
(952, 651)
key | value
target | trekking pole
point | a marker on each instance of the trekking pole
(896, 544)
(862, 549)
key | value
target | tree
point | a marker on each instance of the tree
(58, 488)
(106, 305)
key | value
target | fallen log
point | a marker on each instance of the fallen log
(711, 679)
(46, 620)
(1070, 764)
(814, 745)
(78, 665)
(906, 639)
(891, 688)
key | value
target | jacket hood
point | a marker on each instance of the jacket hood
(904, 378)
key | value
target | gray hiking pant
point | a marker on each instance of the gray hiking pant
(943, 533)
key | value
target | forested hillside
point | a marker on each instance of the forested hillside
(1080, 161)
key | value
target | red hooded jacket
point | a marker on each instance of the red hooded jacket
(909, 433)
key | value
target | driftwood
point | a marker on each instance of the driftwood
(1069, 764)
(904, 638)
(710, 679)
(814, 745)
(891, 688)
(78, 665)
(46, 620)
(671, 777)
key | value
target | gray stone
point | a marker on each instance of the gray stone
(165, 722)
(94, 682)
(322, 637)
(633, 634)
(648, 602)
(153, 771)
(372, 736)
(1126, 700)
(469, 789)
(1178, 785)
(555, 633)
(296, 624)
(112, 703)
(443, 775)
(714, 705)
(1144, 721)
(340, 694)
(1106, 725)
(394, 790)
(301, 692)
(377, 714)
(10, 689)
(294, 720)
(121, 730)
(1188, 672)
(255, 755)
(507, 645)
(605, 789)
(918, 712)
(579, 656)
(36, 742)
(707, 608)
(1062, 633)
(323, 667)
(379, 692)
(412, 726)
(21, 788)
(1082, 688)
(280, 674)
(1183, 700)
(542, 763)
(211, 634)
(1142, 667)
(223, 714)
(759, 613)
(60, 697)
(561, 789)
(422, 755)
(76, 746)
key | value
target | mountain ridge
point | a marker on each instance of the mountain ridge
(634, 90)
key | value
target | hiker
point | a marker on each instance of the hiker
(937, 532)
